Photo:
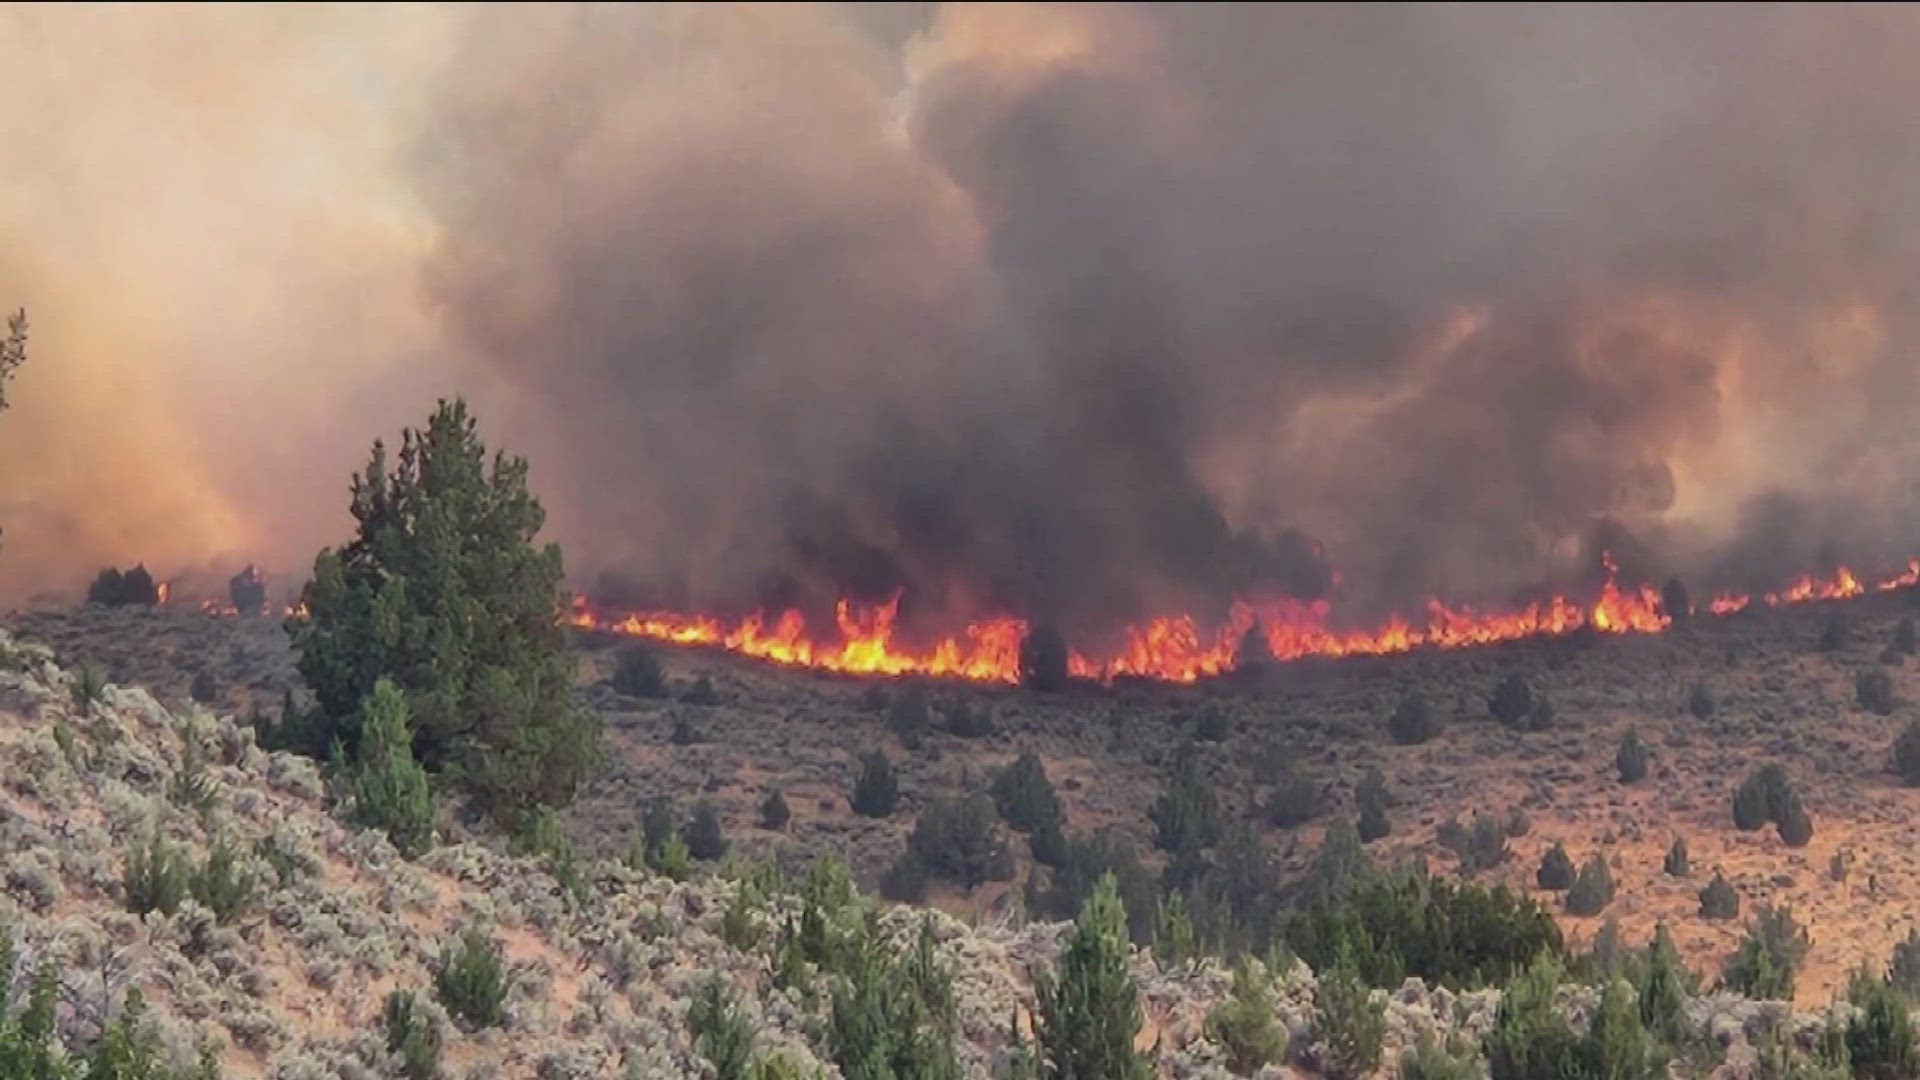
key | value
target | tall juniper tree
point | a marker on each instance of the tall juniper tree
(443, 591)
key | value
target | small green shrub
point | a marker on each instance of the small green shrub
(1794, 824)
(875, 791)
(1242, 1023)
(1592, 888)
(1873, 689)
(1631, 760)
(156, 876)
(1295, 800)
(89, 690)
(221, 884)
(721, 1032)
(1412, 721)
(1350, 1024)
(1556, 870)
(1880, 1037)
(472, 981)
(1089, 1008)
(411, 1036)
(706, 840)
(390, 791)
(1719, 900)
(638, 674)
(774, 812)
(1676, 864)
(959, 840)
(1480, 845)
(1186, 817)
(1024, 796)
(1761, 797)
(1429, 1060)
(1764, 965)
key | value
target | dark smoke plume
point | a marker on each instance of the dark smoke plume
(1088, 313)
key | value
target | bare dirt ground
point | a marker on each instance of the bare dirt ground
(1780, 699)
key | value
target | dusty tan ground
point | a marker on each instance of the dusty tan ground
(1780, 700)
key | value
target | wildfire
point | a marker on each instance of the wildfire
(1176, 648)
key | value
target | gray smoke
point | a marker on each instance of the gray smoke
(1092, 312)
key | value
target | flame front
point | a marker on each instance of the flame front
(1176, 648)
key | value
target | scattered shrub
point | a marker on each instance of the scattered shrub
(443, 591)
(1873, 689)
(705, 838)
(1350, 1024)
(156, 876)
(472, 981)
(966, 720)
(909, 716)
(411, 1036)
(1592, 887)
(1556, 870)
(1242, 1022)
(1631, 760)
(1446, 932)
(1700, 701)
(1089, 1008)
(774, 813)
(1763, 966)
(89, 689)
(890, 1016)
(1676, 864)
(1481, 845)
(1370, 798)
(1412, 721)
(959, 840)
(1043, 659)
(1024, 795)
(1719, 900)
(1173, 937)
(221, 884)
(638, 674)
(875, 791)
(1664, 987)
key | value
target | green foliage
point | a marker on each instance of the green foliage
(1370, 797)
(774, 813)
(1088, 860)
(115, 589)
(889, 1015)
(1700, 701)
(959, 840)
(1186, 817)
(909, 716)
(1880, 1038)
(1529, 1040)
(155, 878)
(1428, 1060)
(1873, 689)
(705, 838)
(1294, 801)
(875, 791)
(1719, 900)
(1556, 869)
(1450, 933)
(637, 673)
(89, 690)
(1341, 860)
(1480, 845)
(1676, 864)
(1089, 1008)
(1763, 966)
(543, 835)
(1350, 1023)
(1631, 760)
(721, 1032)
(1242, 1022)
(1043, 659)
(443, 591)
(472, 981)
(390, 790)
(221, 884)
(1664, 986)
(1024, 795)
(129, 1048)
(1618, 1044)
(192, 787)
(411, 1036)
(1173, 937)
(1412, 721)
(1592, 888)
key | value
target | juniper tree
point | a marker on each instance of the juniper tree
(1556, 869)
(1089, 1009)
(1412, 721)
(875, 791)
(1371, 799)
(443, 591)
(1592, 888)
(1631, 760)
(1025, 796)
(1676, 864)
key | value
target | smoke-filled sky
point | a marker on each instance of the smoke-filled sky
(1079, 312)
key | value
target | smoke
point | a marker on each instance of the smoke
(1076, 312)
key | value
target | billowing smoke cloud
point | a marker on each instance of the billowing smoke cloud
(1078, 312)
